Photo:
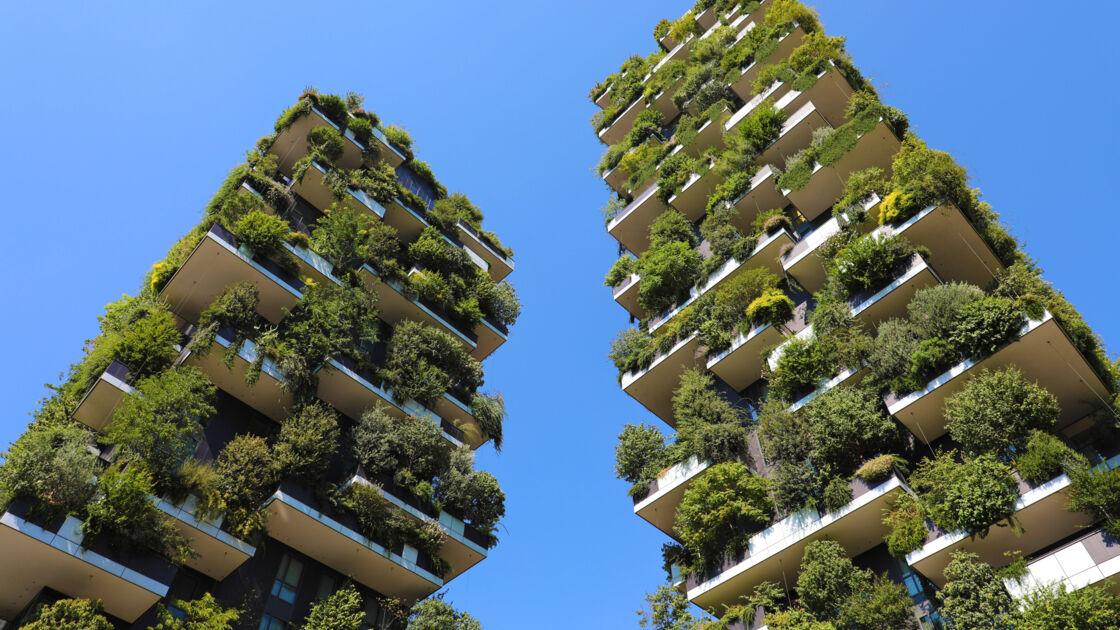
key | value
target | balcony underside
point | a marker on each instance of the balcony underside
(291, 144)
(956, 249)
(786, 45)
(99, 404)
(660, 507)
(267, 395)
(796, 134)
(762, 196)
(626, 294)
(1091, 559)
(497, 264)
(219, 553)
(632, 228)
(654, 387)
(741, 364)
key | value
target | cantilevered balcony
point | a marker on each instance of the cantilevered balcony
(464, 546)
(786, 44)
(493, 260)
(1044, 354)
(804, 262)
(219, 553)
(692, 198)
(741, 363)
(774, 554)
(631, 226)
(626, 294)
(956, 249)
(333, 538)
(654, 386)
(873, 307)
(313, 187)
(796, 134)
(267, 395)
(763, 195)
(291, 144)
(829, 95)
(1085, 561)
(97, 407)
(40, 554)
(764, 256)
(344, 386)
(1042, 518)
(219, 261)
(876, 148)
(659, 506)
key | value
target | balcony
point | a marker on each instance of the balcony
(1043, 353)
(803, 261)
(332, 538)
(957, 250)
(291, 144)
(268, 395)
(876, 148)
(796, 134)
(692, 199)
(626, 294)
(829, 95)
(775, 553)
(42, 554)
(464, 546)
(97, 407)
(765, 255)
(219, 552)
(351, 391)
(1090, 559)
(786, 44)
(219, 261)
(659, 507)
(741, 363)
(890, 301)
(654, 386)
(487, 257)
(763, 195)
(1040, 511)
(631, 226)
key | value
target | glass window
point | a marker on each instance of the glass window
(269, 622)
(287, 579)
(327, 586)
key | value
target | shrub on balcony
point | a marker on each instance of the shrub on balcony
(621, 270)
(1046, 457)
(489, 410)
(424, 362)
(661, 30)
(424, 171)
(265, 235)
(50, 463)
(870, 262)
(632, 350)
(640, 456)
(735, 186)
(974, 595)
(383, 523)
(325, 142)
(674, 173)
(435, 614)
(157, 424)
(935, 311)
(139, 332)
(1057, 606)
(307, 440)
(204, 613)
(341, 610)
(848, 425)
(671, 265)
(907, 526)
(803, 364)
(996, 412)
(968, 496)
(246, 472)
(719, 511)
(399, 138)
(757, 131)
(126, 517)
(1096, 491)
(235, 308)
(858, 190)
(709, 426)
(877, 469)
(68, 614)
(831, 589)
(985, 325)
(410, 450)
(773, 307)
(348, 238)
(470, 494)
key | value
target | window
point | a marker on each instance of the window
(268, 622)
(327, 586)
(287, 579)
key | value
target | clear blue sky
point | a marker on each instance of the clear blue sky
(121, 123)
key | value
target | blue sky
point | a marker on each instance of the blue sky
(122, 122)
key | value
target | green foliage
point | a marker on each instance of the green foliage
(684, 26)
(474, 496)
(347, 237)
(448, 210)
(733, 187)
(325, 142)
(968, 496)
(127, 518)
(907, 526)
(935, 311)
(877, 469)
(69, 614)
(424, 171)
(985, 325)
(307, 440)
(399, 138)
(870, 262)
(718, 510)
(1054, 607)
(158, 422)
(974, 596)
(342, 610)
(996, 412)
(632, 350)
(143, 336)
(709, 426)
(837, 493)
(640, 453)
(382, 522)
(489, 410)
(235, 308)
(362, 130)
(773, 307)
(423, 362)
(436, 614)
(621, 270)
(668, 609)
(662, 29)
(832, 589)
(265, 234)
(204, 613)
(411, 450)
(50, 463)
(858, 189)
(671, 265)
(1096, 491)
(827, 577)
(848, 426)
(246, 472)
(757, 131)
(1046, 457)
(803, 364)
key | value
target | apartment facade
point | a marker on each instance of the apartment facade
(333, 308)
(760, 189)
